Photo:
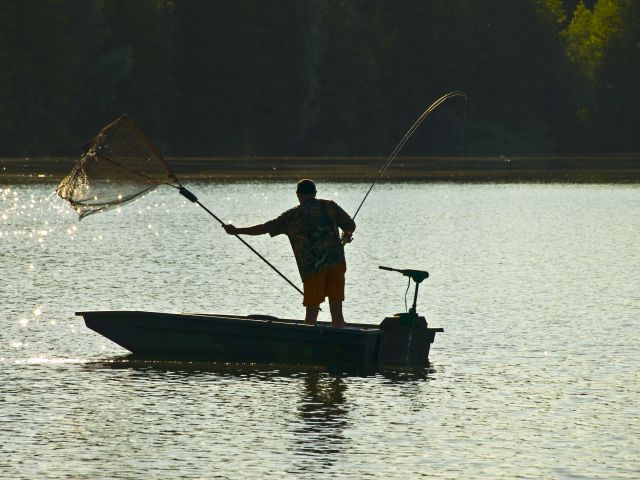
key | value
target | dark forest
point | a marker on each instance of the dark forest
(322, 77)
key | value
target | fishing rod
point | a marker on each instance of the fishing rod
(190, 196)
(187, 194)
(405, 138)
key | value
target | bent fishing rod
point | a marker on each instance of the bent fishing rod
(404, 140)
(190, 196)
(345, 238)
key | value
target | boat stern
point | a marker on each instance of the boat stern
(405, 341)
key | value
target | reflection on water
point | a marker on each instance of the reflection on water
(536, 375)
(322, 410)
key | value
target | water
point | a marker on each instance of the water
(536, 375)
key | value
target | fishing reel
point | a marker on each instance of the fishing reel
(418, 276)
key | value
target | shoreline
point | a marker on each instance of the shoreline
(552, 168)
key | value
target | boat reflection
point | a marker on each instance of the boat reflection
(310, 408)
(187, 366)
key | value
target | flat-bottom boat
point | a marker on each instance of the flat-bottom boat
(401, 340)
(265, 339)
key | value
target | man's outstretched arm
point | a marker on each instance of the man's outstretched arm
(253, 230)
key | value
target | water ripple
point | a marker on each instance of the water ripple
(536, 376)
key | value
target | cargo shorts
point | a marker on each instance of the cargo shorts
(328, 283)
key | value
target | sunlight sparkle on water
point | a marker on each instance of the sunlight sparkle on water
(44, 360)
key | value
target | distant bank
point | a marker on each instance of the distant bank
(582, 169)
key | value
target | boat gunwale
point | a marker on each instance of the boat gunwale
(353, 328)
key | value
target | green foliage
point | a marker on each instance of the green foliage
(618, 83)
(604, 43)
(554, 10)
(590, 32)
(282, 77)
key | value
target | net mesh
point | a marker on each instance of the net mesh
(118, 166)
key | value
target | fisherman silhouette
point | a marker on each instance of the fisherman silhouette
(313, 228)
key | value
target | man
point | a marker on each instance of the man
(312, 228)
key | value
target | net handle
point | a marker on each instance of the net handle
(192, 198)
(186, 193)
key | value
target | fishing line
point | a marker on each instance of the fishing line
(407, 136)
(464, 128)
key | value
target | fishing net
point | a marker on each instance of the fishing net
(118, 166)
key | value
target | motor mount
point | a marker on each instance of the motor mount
(406, 338)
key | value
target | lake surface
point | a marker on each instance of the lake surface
(536, 376)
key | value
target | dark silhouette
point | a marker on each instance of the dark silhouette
(313, 231)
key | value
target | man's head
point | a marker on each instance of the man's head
(306, 189)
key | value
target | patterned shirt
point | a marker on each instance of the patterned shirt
(312, 228)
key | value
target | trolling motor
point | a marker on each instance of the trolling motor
(406, 338)
(418, 276)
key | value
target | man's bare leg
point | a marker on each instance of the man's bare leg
(312, 314)
(337, 320)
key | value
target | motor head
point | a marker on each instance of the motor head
(415, 275)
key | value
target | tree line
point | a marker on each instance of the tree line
(322, 77)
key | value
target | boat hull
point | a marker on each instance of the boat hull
(257, 339)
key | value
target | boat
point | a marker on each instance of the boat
(400, 340)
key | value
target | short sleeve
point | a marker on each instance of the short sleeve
(279, 225)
